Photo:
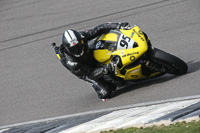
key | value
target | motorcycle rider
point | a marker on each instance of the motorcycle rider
(76, 53)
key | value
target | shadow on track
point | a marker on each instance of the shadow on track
(193, 66)
(137, 85)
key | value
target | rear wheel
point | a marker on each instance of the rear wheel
(171, 63)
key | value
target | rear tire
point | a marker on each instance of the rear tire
(172, 64)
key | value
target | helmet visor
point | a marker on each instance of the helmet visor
(76, 50)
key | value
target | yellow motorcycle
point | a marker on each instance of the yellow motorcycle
(133, 56)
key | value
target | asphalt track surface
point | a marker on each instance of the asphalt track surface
(33, 83)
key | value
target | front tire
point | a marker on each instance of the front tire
(171, 63)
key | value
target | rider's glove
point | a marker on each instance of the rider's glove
(109, 68)
(124, 26)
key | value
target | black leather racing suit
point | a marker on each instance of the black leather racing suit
(85, 67)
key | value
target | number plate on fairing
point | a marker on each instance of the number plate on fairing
(125, 42)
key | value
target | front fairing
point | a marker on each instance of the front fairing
(128, 44)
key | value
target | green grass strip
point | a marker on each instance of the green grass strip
(179, 127)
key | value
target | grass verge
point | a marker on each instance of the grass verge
(179, 127)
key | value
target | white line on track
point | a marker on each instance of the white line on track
(103, 110)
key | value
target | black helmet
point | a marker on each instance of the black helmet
(71, 40)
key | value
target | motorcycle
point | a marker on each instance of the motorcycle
(133, 56)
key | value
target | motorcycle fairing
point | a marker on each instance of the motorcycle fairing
(130, 45)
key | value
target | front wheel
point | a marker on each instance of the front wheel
(171, 63)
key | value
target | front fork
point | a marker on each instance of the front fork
(149, 64)
(154, 66)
